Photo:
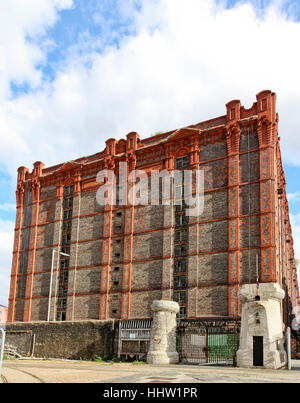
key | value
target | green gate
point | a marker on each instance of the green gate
(208, 341)
(223, 345)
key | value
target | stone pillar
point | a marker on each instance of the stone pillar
(261, 339)
(163, 341)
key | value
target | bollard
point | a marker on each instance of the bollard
(2, 350)
(288, 348)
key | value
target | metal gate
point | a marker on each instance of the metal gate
(134, 338)
(208, 341)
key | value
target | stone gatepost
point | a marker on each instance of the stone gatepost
(163, 338)
(261, 339)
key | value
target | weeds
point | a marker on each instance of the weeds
(106, 360)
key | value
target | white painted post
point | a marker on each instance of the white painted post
(33, 345)
(2, 350)
(288, 348)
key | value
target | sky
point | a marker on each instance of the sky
(74, 73)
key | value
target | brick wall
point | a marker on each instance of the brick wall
(122, 258)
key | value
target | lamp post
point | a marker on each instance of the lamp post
(51, 279)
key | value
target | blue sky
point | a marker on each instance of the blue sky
(74, 73)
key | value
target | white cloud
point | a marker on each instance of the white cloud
(293, 197)
(6, 246)
(22, 23)
(187, 59)
(22, 48)
(8, 207)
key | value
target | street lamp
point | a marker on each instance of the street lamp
(51, 279)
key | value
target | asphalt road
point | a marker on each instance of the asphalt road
(59, 371)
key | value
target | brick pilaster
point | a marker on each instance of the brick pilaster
(17, 240)
(267, 203)
(128, 245)
(35, 188)
(267, 134)
(106, 248)
(233, 141)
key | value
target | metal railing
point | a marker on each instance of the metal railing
(134, 338)
(11, 352)
(208, 341)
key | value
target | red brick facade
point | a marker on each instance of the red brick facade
(124, 257)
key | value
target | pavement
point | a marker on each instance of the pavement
(63, 371)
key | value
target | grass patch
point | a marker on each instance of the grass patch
(106, 360)
(8, 357)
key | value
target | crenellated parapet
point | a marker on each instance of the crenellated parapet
(233, 135)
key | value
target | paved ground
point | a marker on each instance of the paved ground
(42, 371)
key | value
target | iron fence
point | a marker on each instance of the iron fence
(134, 338)
(208, 341)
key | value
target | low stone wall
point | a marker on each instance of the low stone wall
(71, 340)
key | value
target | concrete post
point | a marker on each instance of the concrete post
(288, 348)
(261, 339)
(2, 350)
(163, 340)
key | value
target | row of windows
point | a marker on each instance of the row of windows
(181, 220)
(181, 243)
(64, 277)
(181, 235)
(181, 250)
(182, 163)
(180, 266)
(68, 203)
(66, 239)
(61, 316)
(68, 214)
(180, 282)
(67, 226)
(182, 312)
(65, 249)
(180, 297)
(68, 190)
(65, 260)
(62, 303)
(182, 191)
(64, 264)
(180, 206)
(63, 290)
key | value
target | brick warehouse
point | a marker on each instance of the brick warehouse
(118, 259)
